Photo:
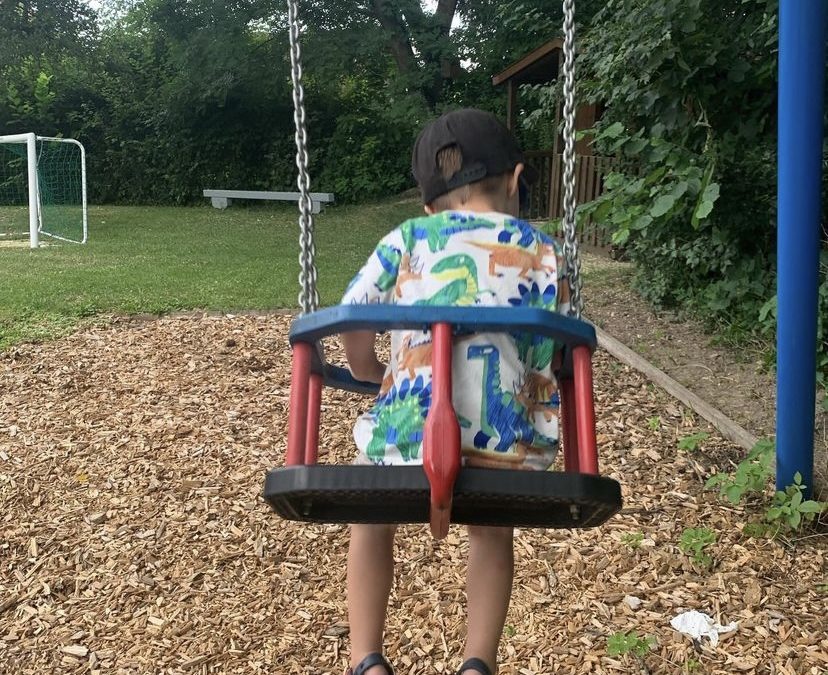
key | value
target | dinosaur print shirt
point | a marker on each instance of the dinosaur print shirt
(504, 392)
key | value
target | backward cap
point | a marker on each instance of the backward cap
(487, 146)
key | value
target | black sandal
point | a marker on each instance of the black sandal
(373, 659)
(475, 664)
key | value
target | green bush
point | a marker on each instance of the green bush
(789, 510)
(689, 88)
(368, 156)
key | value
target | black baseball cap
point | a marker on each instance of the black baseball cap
(487, 146)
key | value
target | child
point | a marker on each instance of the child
(469, 250)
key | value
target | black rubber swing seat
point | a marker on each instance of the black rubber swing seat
(369, 494)
(306, 491)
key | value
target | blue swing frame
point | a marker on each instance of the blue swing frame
(802, 33)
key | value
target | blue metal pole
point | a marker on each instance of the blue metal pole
(801, 78)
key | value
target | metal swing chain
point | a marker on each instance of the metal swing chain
(573, 261)
(308, 296)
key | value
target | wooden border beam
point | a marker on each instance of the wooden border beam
(726, 426)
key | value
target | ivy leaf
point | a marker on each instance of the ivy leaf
(655, 175)
(621, 217)
(635, 146)
(796, 500)
(641, 222)
(602, 211)
(768, 309)
(715, 480)
(621, 236)
(659, 153)
(702, 211)
(695, 185)
(811, 506)
(733, 494)
(773, 513)
(692, 442)
(616, 145)
(634, 186)
(662, 205)
(711, 192)
(705, 205)
(612, 131)
(679, 189)
(614, 180)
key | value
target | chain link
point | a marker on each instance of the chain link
(308, 296)
(573, 261)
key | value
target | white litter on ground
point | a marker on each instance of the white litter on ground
(698, 625)
(632, 602)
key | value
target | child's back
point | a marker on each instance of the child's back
(504, 390)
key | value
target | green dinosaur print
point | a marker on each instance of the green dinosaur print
(462, 290)
(535, 351)
(437, 230)
(399, 417)
(389, 258)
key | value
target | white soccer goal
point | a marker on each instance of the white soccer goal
(42, 189)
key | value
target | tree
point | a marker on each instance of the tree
(39, 40)
(34, 28)
(690, 94)
(170, 95)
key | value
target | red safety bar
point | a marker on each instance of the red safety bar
(441, 435)
(569, 423)
(298, 410)
(585, 410)
(312, 428)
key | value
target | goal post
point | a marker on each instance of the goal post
(18, 181)
(61, 185)
(44, 178)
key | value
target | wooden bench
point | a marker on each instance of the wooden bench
(221, 199)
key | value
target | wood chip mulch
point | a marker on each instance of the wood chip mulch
(135, 540)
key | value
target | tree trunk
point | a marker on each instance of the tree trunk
(408, 26)
(399, 41)
(445, 15)
(450, 67)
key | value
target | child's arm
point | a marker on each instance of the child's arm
(362, 356)
(374, 283)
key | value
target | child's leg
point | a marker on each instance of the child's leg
(488, 590)
(370, 575)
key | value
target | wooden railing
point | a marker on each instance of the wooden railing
(546, 196)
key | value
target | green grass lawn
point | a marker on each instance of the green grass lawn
(162, 259)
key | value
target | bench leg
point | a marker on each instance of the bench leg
(316, 207)
(220, 202)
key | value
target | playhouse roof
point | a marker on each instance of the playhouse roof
(537, 67)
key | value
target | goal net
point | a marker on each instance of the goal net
(42, 189)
